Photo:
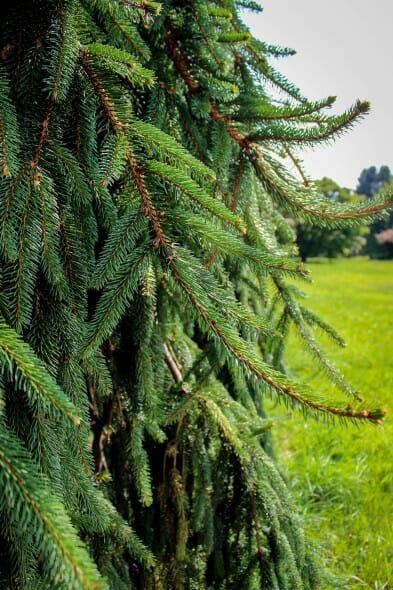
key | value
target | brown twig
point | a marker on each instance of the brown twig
(148, 208)
(109, 109)
(180, 61)
(44, 135)
(296, 163)
(236, 184)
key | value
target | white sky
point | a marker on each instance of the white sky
(344, 48)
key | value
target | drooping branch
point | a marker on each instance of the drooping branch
(248, 145)
(277, 382)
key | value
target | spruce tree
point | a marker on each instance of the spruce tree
(146, 152)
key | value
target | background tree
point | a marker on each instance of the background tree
(145, 302)
(384, 240)
(379, 241)
(371, 180)
(316, 241)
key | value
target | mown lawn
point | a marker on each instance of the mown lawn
(343, 475)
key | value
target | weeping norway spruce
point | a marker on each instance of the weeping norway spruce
(149, 161)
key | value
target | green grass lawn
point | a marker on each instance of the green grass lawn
(342, 476)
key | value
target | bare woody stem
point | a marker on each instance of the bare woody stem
(172, 365)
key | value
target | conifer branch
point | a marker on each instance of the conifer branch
(9, 129)
(115, 298)
(250, 110)
(247, 143)
(295, 313)
(308, 205)
(29, 371)
(237, 347)
(194, 191)
(63, 552)
(328, 128)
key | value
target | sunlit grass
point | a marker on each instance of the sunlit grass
(343, 475)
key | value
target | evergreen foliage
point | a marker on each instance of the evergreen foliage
(145, 253)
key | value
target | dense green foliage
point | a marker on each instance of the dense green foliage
(145, 302)
(343, 477)
(314, 241)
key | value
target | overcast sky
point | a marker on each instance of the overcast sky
(344, 48)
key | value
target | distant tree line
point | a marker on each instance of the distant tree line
(375, 240)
